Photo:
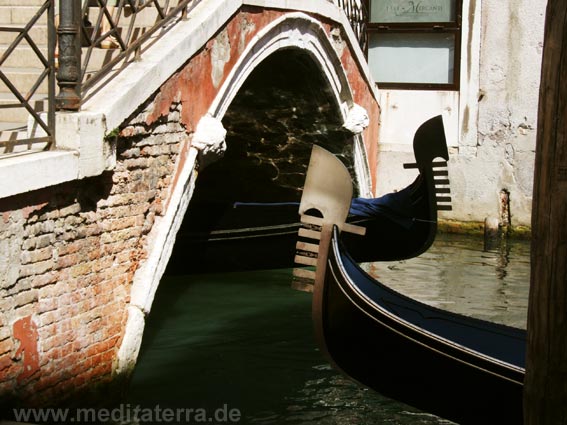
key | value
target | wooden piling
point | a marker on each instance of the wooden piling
(545, 390)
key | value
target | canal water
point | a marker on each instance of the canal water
(241, 344)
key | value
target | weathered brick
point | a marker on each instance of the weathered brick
(5, 363)
(165, 182)
(26, 297)
(59, 290)
(36, 255)
(71, 247)
(21, 286)
(25, 310)
(127, 198)
(55, 341)
(38, 242)
(125, 256)
(47, 304)
(93, 229)
(35, 269)
(102, 264)
(128, 210)
(81, 270)
(49, 381)
(45, 279)
(123, 223)
(39, 228)
(68, 261)
(120, 176)
(150, 140)
(73, 221)
(122, 235)
(77, 265)
(108, 275)
(66, 350)
(48, 318)
(136, 163)
(50, 215)
(156, 150)
(5, 332)
(131, 153)
(6, 346)
(70, 210)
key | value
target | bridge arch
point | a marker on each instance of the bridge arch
(89, 247)
(293, 30)
(297, 30)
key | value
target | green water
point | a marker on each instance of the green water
(242, 342)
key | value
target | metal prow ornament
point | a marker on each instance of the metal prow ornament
(328, 190)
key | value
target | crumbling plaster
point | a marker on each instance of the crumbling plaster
(492, 132)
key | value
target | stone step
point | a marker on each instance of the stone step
(20, 15)
(9, 145)
(19, 115)
(23, 79)
(38, 34)
(8, 127)
(12, 133)
(144, 18)
(15, 3)
(23, 57)
(23, 67)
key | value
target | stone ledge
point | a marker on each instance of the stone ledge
(31, 171)
(477, 228)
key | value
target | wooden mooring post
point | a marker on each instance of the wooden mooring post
(545, 390)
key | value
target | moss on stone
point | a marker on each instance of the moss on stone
(477, 228)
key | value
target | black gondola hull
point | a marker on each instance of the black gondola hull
(382, 347)
(246, 236)
(264, 236)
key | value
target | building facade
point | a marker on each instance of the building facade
(477, 62)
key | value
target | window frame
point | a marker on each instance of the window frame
(451, 27)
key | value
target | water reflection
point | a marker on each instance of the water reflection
(244, 340)
(283, 108)
(458, 274)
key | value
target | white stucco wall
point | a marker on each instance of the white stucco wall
(492, 119)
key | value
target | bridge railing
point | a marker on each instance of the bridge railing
(74, 45)
(357, 14)
(86, 41)
(33, 95)
(122, 27)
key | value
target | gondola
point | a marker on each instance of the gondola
(460, 368)
(246, 236)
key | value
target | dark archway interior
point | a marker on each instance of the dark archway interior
(283, 108)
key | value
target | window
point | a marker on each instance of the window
(415, 44)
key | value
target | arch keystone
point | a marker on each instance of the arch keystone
(357, 119)
(209, 139)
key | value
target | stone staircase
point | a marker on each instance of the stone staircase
(23, 67)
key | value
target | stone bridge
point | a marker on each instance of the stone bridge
(86, 230)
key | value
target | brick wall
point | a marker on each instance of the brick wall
(67, 257)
